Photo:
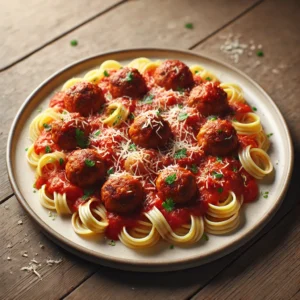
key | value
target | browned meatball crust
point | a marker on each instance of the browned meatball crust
(85, 98)
(72, 133)
(149, 130)
(127, 82)
(173, 74)
(209, 99)
(85, 167)
(122, 194)
(178, 184)
(218, 137)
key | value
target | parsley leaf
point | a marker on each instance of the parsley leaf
(181, 153)
(171, 178)
(105, 73)
(220, 190)
(97, 133)
(189, 25)
(269, 135)
(112, 243)
(194, 169)
(168, 205)
(208, 79)
(48, 149)
(219, 159)
(81, 140)
(47, 127)
(129, 76)
(212, 118)
(217, 175)
(74, 43)
(254, 108)
(87, 193)
(110, 171)
(26, 149)
(234, 169)
(180, 90)
(89, 163)
(259, 53)
(205, 237)
(182, 116)
(180, 105)
(131, 116)
(61, 161)
(148, 99)
(132, 147)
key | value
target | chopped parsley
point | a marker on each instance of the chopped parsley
(61, 161)
(39, 110)
(197, 71)
(112, 243)
(254, 108)
(269, 135)
(220, 130)
(194, 169)
(208, 79)
(148, 99)
(97, 133)
(171, 247)
(48, 149)
(110, 171)
(234, 169)
(171, 178)
(259, 53)
(219, 159)
(87, 193)
(205, 237)
(26, 149)
(129, 76)
(132, 147)
(182, 116)
(180, 90)
(189, 25)
(265, 194)
(220, 190)
(131, 116)
(158, 112)
(217, 175)
(74, 43)
(47, 127)
(89, 163)
(117, 120)
(81, 140)
(181, 153)
(105, 73)
(212, 118)
(180, 105)
(168, 205)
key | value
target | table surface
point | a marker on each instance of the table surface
(36, 39)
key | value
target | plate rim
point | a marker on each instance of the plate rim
(129, 264)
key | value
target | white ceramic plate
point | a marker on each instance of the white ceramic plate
(161, 258)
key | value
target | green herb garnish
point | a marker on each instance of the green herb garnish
(171, 178)
(129, 76)
(168, 205)
(47, 127)
(81, 140)
(74, 43)
(220, 190)
(112, 243)
(220, 130)
(212, 118)
(259, 53)
(89, 163)
(182, 116)
(48, 149)
(205, 237)
(269, 135)
(265, 194)
(61, 161)
(194, 169)
(180, 90)
(110, 171)
(181, 153)
(219, 159)
(105, 73)
(97, 133)
(254, 108)
(234, 169)
(189, 25)
(217, 175)
(131, 116)
(39, 110)
(26, 149)
(208, 79)
(132, 147)
(148, 99)
(87, 193)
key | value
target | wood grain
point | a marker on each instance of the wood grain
(105, 33)
(28, 25)
(280, 41)
(56, 280)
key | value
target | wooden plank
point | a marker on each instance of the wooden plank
(28, 25)
(15, 240)
(182, 284)
(105, 33)
(263, 272)
(278, 71)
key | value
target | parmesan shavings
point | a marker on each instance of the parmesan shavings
(32, 268)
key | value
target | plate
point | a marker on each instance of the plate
(161, 257)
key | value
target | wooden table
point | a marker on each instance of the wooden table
(36, 39)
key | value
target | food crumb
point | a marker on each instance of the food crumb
(275, 71)
(20, 222)
(9, 246)
(8, 258)
(6, 207)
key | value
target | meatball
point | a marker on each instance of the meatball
(122, 194)
(127, 82)
(178, 184)
(85, 167)
(173, 74)
(70, 134)
(85, 98)
(218, 137)
(209, 99)
(150, 130)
